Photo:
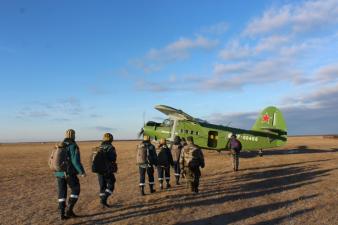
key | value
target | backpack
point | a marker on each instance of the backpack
(235, 144)
(99, 161)
(176, 152)
(59, 160)
(142, 154)
(162, 156)
(191, 158)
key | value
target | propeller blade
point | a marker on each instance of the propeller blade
(140, 133)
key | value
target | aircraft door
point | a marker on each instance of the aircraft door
(212, 139)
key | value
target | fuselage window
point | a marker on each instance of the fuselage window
(197, 133)
(191, 132)
(186, 131)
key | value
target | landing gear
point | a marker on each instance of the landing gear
(260, 152)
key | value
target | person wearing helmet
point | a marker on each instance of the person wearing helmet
(107, 179)
(165, 159)
(235, 147)
(191, 160)
(69, 177)
(146, 160)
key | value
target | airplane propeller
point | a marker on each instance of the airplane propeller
(140, 133)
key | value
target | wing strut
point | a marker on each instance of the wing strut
(173, 130)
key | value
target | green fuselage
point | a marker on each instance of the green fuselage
(210, 136)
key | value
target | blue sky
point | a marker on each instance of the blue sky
(100, 66)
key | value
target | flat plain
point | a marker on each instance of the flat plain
(294, 184)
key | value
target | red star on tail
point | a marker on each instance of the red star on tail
(266, 118)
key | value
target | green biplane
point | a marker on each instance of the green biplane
(268, 131)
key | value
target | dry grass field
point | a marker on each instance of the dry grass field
(295, 184)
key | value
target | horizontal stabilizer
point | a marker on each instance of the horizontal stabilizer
(278, 131)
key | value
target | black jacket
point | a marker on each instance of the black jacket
(164, 156)
(152, 157)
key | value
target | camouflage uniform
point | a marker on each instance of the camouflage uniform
(191, 160)
(146, 162)
(176, 149)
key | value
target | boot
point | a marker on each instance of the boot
(71, 203)
(192, 187)
(142, 190)
(168, 185)
(62, 207)
(196, 189)
(104, 203)
(177, 180)
(237, 163)
(233, 163)
(152, 190)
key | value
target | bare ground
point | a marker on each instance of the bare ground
(296, 184)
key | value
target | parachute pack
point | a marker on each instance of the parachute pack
(235, 145)
(142, 154)
(59, 160)
(192, 157)
(100, 162)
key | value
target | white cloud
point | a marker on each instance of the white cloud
(271, 20)
(234, 50)
(264, 59)
(180, 49)
(220, 69)
(271, 43)
(312, 113)
(216, 29)
(235, 76)
(59, 110)
(327, 73)
(105, 129)
(147, 66)
(305, 16)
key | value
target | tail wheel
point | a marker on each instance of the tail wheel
(260, 152)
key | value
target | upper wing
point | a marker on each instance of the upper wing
(174, 113)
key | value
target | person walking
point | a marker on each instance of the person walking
(191, 160)
(107, 178)
(165, 160)
(146, 160)
(176, 149)
(69, 176)
(235, 147)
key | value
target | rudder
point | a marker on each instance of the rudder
(271, 120)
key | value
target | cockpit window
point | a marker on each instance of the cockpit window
(167, 123)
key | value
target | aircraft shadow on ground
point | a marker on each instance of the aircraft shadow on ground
(232, 217)
(299, 150)
(221, 188)
(285, 165)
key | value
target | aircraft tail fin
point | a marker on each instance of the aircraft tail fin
(271, 120)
